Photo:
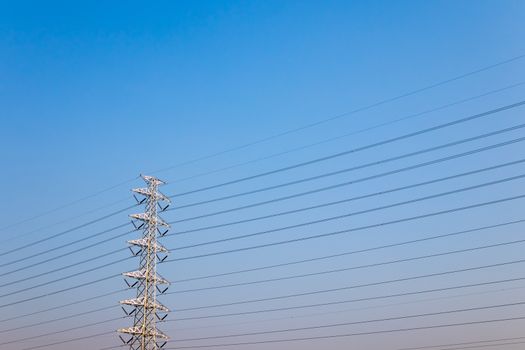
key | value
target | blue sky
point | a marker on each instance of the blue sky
(94, 94)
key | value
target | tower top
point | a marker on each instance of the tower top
(152, 180)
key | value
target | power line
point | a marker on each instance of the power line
(68, 253)
(333, 233)
(354, 213)
(358, 149)
(342, 171)
(359, 131)
(330, 290)
(346, 335)
(389, 262)
(58, 291)
(68, 340)
(67, 205)
(336, 311)
(84, 213)
(96, 220)
(258, 311)
(33, 313)
(371, 177)
(346, 200)
(463, 343)
(485, 346)
(348, 301)
(279, 330)
(286, 152)
(358, 110)
(273, 215)
(58, 319)
(439, 346)
(447, 312)
(371, 284)
(12, 250)
(310, 237)
(322, 220)
(398, 244)
(58, 332)
(323, 326)
(267, 157)
(60, 279)
(123, 234)
(255, 204)
(280, 309)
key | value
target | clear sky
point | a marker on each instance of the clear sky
(94, 93)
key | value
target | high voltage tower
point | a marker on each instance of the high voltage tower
(147, 311)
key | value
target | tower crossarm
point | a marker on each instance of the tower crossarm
(143, 243)
(156, 220)
(141, 275)
(142, 302)
(139, 331)
(148, 193)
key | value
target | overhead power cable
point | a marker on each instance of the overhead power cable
(339, 324)
(270, 310)
(360, 228)
(355, 286)
(331, 256)
(354, 111)
(372, 177)
(303, 238)
(58, 319)
(300, 306)
(59, 234)
(371, 284)
(66, 205)
(346, 335)
(40, 296)
(252, 205)
(366, 129)
(60, 279)
(390, 122)
(70, 340)
(358, 149)
(61, 306)
(462, 343)
(379, 103)
(70, 230)
(323, 326)
(62, 268)
(273, 215)
(26, 338)
(105, 265)
(291, 308)
(339, 302)
(56, 223)
(351, 199)
(486, 346)
(339, 172)
(71, 251)
(383, 263)
(354, 213)
(352, 133)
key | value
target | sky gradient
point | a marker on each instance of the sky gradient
(202, 93)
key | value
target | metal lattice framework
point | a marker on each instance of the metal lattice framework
(145, 309)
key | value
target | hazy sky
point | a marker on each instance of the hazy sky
(93, 94)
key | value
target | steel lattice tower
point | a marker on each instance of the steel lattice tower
(146, 310)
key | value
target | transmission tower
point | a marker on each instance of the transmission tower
(145, 310)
